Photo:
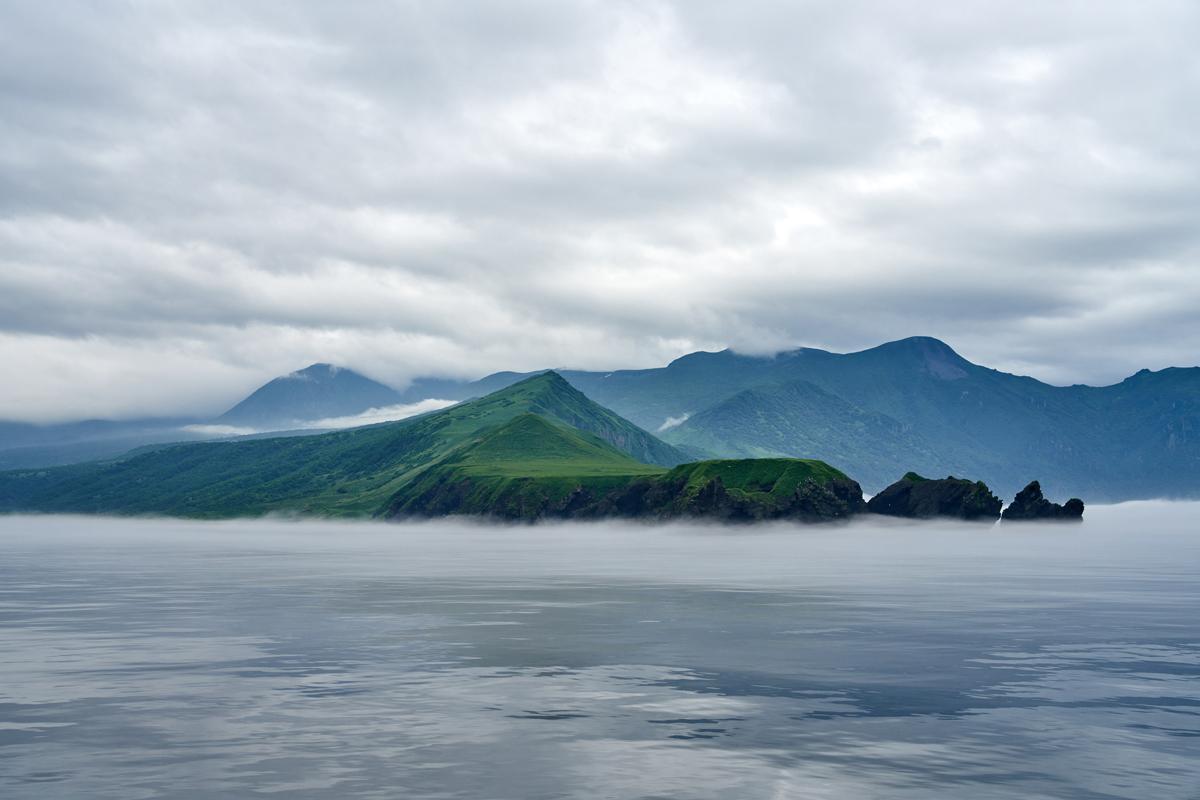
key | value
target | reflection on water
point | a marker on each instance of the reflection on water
(205, 660)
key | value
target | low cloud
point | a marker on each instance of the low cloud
(219, 430)
(672, 422)
(373, 416)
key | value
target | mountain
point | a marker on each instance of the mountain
(320, 391)
(917, 404)
(798, 418)
(549, 394)
(648, 397)
(1136, 439)
(350, 472)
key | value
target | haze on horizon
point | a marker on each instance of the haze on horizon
(196, 197)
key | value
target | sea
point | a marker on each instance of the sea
(156, 658)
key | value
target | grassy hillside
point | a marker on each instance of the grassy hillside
(739, 490)
(535, 446)
(352, 472)
(525, 469)
(777, 477)
(571, 477)
(348, 472)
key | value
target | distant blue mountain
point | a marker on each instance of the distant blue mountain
(27, 445)
(320, 391)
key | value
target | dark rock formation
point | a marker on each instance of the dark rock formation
(819, 502)
(1031, 504)
(922, 498)
(650, 498)
(726, 490)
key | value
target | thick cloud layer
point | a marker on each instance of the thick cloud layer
(197, 196)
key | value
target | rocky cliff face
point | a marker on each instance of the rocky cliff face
(676, 496)
(917, 497)
(811, 501)
(1031, 504)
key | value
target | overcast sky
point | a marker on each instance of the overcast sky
(196, 196)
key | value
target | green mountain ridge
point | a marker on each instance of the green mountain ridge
(537, 449)
(352, 472)
(523, 469)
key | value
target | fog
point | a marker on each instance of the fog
(372, 416)
(870, 548)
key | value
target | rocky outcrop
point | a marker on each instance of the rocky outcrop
(674, 498)
(917, 497)
(1031, 505)
(724, 490)
(821, 502)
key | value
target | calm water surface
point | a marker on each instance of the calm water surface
(144, 659)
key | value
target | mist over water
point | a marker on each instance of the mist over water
(166, 658)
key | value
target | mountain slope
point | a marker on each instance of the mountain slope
(1107, 443)
(798, 420)
(520, 470)
(550, 394)
(345, 472)
(917, 404)
(534, 445)
(320, 391)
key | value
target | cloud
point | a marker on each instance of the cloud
(219, 430)
(672, 422)
(373, 416)
(197, 197)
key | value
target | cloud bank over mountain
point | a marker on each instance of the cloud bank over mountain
(371, 416)
(196, 196)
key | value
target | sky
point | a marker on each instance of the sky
(198, 196)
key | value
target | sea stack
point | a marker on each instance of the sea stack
(917, 497)
(1030, 505)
